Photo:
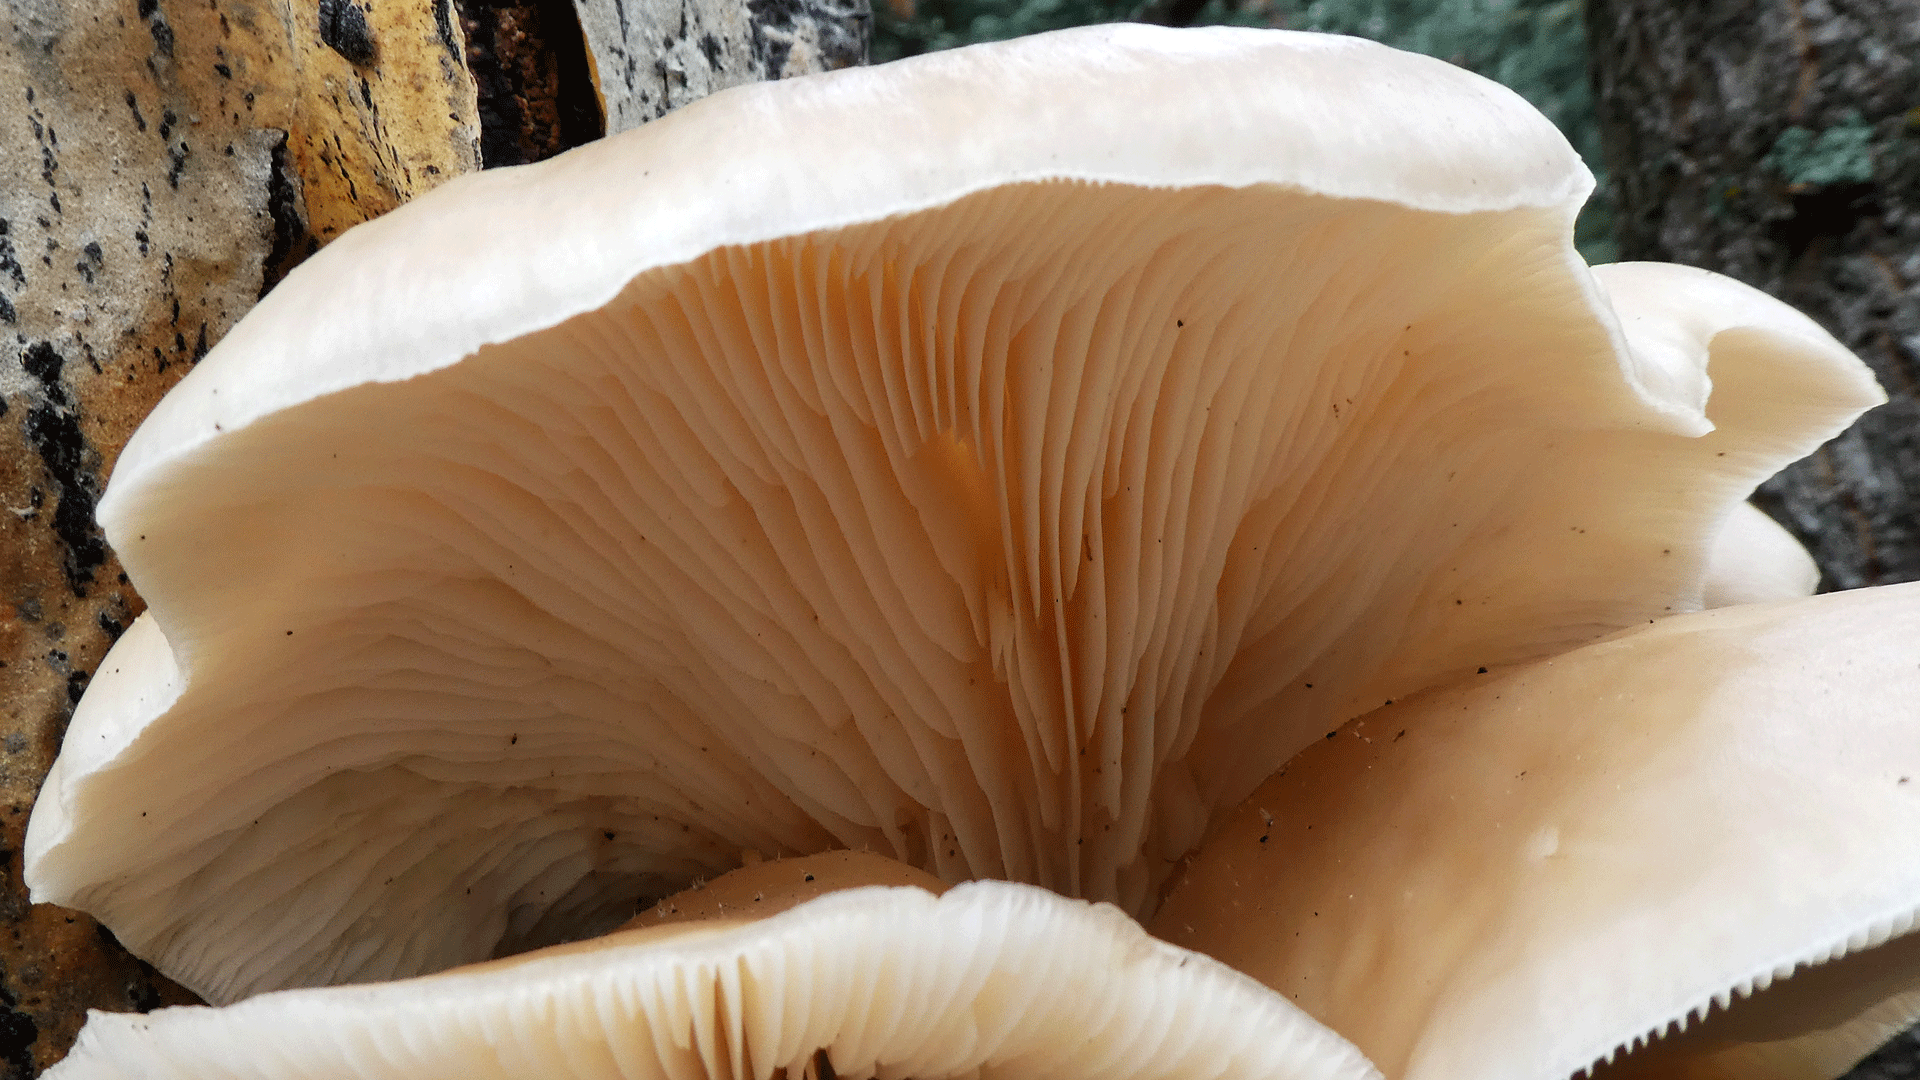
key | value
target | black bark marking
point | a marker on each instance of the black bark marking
(443, 26)
(54, 433)
(157, 25)
(292, 243)
(344, 29)
(162, 37)
(9, 261)
(89, 263)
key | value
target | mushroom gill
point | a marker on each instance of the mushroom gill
(1010, 494)
(990, 980)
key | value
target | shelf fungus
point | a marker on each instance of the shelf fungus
(1005, 461)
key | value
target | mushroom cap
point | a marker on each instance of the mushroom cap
(765, 887)
(1002, 460)
(1819, 1023)
(1755, 560)
(990, 980)
(1520, 875)
(1675, 311)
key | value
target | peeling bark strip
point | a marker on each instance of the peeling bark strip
(1778, 141)
(652, 56)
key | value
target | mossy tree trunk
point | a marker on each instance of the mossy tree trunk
(162, 164)
(1778, 141)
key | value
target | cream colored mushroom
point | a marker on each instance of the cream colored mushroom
(990, 980)
(1002, 460)
(1755, 560)
(1520, 875)
(1663, 311)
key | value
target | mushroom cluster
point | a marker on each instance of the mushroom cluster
(997, 462)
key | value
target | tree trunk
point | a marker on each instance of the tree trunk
(162, 164)
(1778, 141)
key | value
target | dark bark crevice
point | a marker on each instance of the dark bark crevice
(529, 65)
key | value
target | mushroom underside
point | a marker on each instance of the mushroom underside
(990, 980)
(1012, 499)
(1013, 551)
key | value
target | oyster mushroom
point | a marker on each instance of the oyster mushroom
(1683, 815)
(1755, 560)
(1520, 875)
(995, 460)
(991, 979)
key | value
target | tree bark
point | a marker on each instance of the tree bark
(711, 45)
(1778, 141)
